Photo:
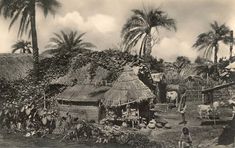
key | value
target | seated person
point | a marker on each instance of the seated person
(185, 139)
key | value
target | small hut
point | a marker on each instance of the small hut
(212, 94)
(82, 102)
(129, 91)
(82, 97)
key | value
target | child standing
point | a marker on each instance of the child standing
(182, 106)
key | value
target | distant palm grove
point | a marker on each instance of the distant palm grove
(138, 31)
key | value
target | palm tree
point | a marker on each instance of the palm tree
(207, 70)
(25, 10)
(181, 62)
(23, 46)
(209, 41)
(67, 42)
(139, 27)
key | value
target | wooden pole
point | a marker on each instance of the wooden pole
(138, 111)
(203, 96)
(212, 97)
(231, 44)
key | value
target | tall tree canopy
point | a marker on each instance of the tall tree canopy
(23, 46)
(25, 11)
(139, 27)
(181, 62)
(209, 41)
(71, 41)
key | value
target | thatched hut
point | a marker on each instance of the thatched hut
(15, 66)
(129, 90)
(82, 102)
(83, 94)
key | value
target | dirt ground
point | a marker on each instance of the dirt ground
(201, 135)
(18, 141)
(206, 136)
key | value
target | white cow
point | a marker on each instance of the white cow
(215, 105)
(204, 109)
(172, 97)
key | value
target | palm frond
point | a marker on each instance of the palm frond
(132, 41)
(141, 23)
(208, 52)
(86, 45)
(209, 40)
(215, 26)
(69, 41)
(14, 19)
(48, 6)
(25, 46)
(22, 9)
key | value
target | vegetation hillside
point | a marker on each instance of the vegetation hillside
(15, 66)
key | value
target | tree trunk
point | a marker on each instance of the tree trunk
(142, 47)
(216, 52)
(148, 44)
(147, 48)
(34, 43)
(231, 44)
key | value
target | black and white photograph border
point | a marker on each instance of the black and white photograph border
(117, 73)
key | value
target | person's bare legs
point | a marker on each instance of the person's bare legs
(184, 145)
(180, 144)
(183, 119)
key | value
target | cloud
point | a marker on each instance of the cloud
(6, 38)
(170, 48)
(103, 23)
(101, 29)
(71, 20)
(98, 23)
(103, 20)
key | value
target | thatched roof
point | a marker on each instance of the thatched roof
(231, 66)
(83, 93)
(82, 76)
(15, 66)
(187, 71)
(218, 87)
(127, 88)
(173, 87)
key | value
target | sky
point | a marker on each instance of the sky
(102, 20)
